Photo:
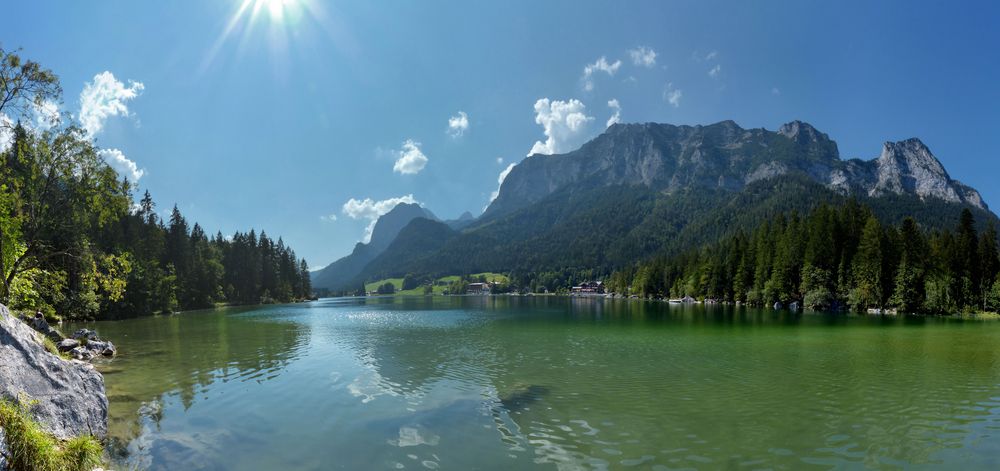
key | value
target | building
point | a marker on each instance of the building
(589, 287)
(478, 288)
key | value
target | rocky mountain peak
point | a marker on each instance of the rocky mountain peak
(909, 167)
(724, 156)
(913, 153)
(802, 132)
(389, 224)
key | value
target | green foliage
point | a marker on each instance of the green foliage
(49, 345)
(835, 256)
(69, 242)
(31, 448)
(867, 268)
(591, 228)
(410, 281)
(993, 297)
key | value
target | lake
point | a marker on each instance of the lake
(549, 383)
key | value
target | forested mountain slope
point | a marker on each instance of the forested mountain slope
(639, 190)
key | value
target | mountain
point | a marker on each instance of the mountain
(337, 274)
(670, 158)
(464, 220)
(420, 237)
(643, 189)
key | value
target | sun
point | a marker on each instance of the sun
(275, 8)
(279, 29)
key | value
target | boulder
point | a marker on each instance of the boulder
(66, 345)
(85, 334)
(81, 353)
(39, 323)
(70, 395)
(102, 347)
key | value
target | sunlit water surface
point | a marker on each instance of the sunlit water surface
(550, 383)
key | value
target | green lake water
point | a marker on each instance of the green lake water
(550, 383)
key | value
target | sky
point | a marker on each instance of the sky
(309, 118)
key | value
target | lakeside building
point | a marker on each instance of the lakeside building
(478, 288)
(589, 287)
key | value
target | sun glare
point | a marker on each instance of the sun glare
(285, 19)
(276, 8)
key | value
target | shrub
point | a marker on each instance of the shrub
(32, 448)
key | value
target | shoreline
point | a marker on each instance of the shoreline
(980, 315)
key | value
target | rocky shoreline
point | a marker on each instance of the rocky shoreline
(83, 345)
(66, 397)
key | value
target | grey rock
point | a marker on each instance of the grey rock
(39, 323)
(70, 396)
(724, 156)
(85, 334)
(778, 305)
(909, 167)
(4, 451)
(54, 335)
(101, 347)
(66, 345)
(82, 354)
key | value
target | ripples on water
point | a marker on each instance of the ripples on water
(500, 383)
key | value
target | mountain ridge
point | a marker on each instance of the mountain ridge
(642, 189)
(384, 232)
(667, 157)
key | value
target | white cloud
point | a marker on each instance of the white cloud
(775, 91)
(371, 210)
(711, 55)
(715, 71)
(643, 56)
(500, 179)
(410, 160)
(6, 132)
(601, 65)
(125, 167)
(617, 116)
(564, 124)
(46, 115)
(328, 218)
(457, 125)
(103, 98)
(500, 160)
(672, 95)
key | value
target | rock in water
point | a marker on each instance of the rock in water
(66, 345)
(101, 347)
(70, 395)
(82, 354)
(85, 334)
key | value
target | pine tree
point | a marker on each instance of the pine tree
(909, 284)
(989, 263)
(867, 290)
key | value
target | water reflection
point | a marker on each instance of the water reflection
(179, 358)
(507, 382)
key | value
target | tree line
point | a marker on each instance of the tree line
(835, 257)
(73, 243)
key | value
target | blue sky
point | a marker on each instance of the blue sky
(309, 104)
